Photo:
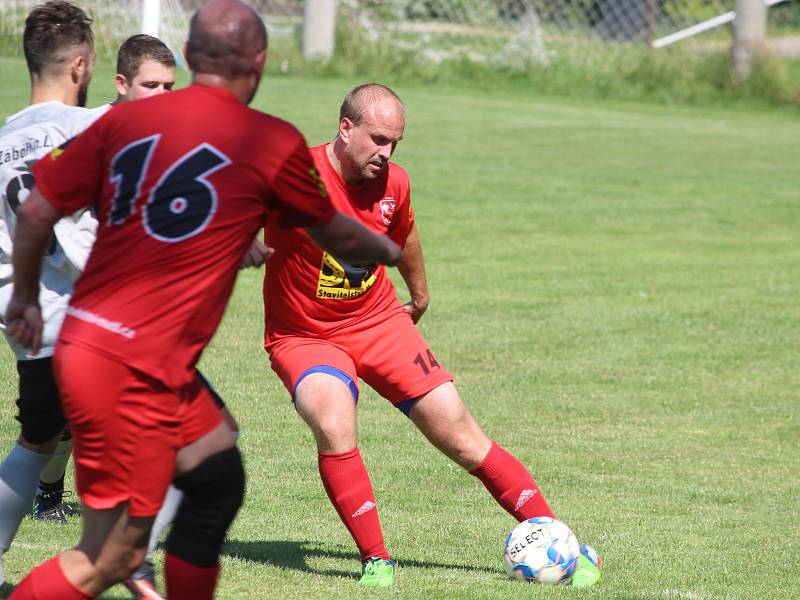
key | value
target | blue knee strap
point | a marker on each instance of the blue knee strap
(339, 374)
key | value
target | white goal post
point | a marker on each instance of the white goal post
(717, 21)
(151, 17)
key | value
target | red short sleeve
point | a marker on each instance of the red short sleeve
(71, 176)
(300, 198)
(404, 219)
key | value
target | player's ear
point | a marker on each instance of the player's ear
(345, 127)
(77, 67)
(122, 84)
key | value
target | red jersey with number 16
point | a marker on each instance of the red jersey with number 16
(181, 184)
(308, 291)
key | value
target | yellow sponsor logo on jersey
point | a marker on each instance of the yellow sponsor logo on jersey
(340, 281)
(56, 152)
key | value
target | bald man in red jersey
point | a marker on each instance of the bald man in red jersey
(331, 321)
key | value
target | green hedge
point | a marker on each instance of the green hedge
(624, 72)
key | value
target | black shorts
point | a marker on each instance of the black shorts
(39, 403)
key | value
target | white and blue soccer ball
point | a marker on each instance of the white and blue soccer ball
(541, 550)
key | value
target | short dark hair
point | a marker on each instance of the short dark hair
(50, 30)
(139, 48)
(361, 97)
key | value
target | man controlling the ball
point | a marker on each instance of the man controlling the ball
(330, 322)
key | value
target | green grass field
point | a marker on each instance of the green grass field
(615, 287)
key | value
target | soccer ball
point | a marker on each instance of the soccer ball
(541, 550)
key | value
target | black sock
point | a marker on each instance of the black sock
(56, 487)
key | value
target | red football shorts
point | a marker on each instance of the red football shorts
(389, 354)
(127, 428)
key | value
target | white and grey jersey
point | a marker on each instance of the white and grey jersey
(26, 137)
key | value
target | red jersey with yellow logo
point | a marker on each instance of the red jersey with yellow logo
(309, 292)
(181, 183)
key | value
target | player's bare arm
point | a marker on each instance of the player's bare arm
(352, 242)
(412, 269)
(35, 220)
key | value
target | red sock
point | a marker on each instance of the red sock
(48, 582)
(185, 581)
(511, 485)
(348, 486)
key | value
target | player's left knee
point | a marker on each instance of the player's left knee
(213, 492)
(442, 406)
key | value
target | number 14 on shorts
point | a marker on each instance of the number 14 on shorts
(427, 361)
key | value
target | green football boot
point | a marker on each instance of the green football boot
(587, 573)
(377, 572)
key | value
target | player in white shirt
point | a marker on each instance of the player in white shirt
(26, 136)
(59, 50)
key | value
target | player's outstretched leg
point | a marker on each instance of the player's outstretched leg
(510, 483)
(213, 492)
(445, 421)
